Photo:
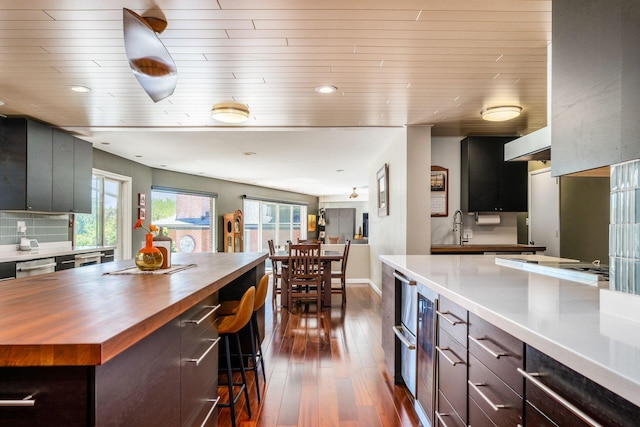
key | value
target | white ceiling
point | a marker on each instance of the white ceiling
(436, 62)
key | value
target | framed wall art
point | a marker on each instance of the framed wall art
(439, 191)
(142, 199)
(382, 178)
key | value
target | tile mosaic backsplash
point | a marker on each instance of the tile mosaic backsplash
(44, 227)
(624, 228)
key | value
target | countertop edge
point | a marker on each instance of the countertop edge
(604, 375)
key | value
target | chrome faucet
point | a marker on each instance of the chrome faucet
(457, 226)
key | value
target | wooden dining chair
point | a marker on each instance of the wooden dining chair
(276, 269)
(304, 275)
(309, 241)
(342, 274)
(333, 239)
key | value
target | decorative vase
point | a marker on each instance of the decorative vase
(149, 258)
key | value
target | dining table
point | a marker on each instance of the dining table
(326, 258)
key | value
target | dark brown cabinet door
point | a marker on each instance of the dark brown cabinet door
(62, 171)
(488, 183)
(82, 171)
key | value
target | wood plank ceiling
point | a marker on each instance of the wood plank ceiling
(436, 62)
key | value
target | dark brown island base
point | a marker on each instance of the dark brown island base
(486, 249)
(85, 347)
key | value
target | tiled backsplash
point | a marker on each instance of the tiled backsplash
(44, 227)
(624, 228)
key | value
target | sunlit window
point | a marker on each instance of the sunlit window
(266, 220)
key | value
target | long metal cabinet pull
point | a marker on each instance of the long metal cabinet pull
(398, 331)
(404, 279)
(209, 313)
(38, 267)
(442, 352)
(484, 396)
(555, 396)
(443, 314)
(215, 403)
(90, 256)
(27, 401)
(439, 416)
(201, 358)
(487, 349)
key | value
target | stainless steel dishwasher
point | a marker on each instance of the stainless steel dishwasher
(35, 267)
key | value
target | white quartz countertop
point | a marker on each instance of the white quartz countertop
(558, 317)
(47, 251)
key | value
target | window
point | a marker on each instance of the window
(185, 217)
(105, 225)
(269, 220)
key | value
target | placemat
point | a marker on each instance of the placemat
(135, 270)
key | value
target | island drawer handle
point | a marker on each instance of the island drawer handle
(89, 256)
(484, 396)
(209, 313)
(443, 314)
(555, 396)
(215, 403)
(487, 349)
(27, 401)
(70, 261)
(201, 358)
(398, 331)
(440, 418)
(442, 352)
(404, 279)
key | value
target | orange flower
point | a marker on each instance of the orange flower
(139, 224)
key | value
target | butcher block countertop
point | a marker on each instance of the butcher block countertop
(83, 316)
(480, 249)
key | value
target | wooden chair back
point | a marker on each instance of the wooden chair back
(304, 275)
(333, 239)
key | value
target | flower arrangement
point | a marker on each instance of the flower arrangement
(151, 229)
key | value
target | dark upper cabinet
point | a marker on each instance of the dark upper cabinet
(488, 183)
(72, 162)
(595, 101)
(25, 165)
(43, 169)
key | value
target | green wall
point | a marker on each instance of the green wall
(229, 193)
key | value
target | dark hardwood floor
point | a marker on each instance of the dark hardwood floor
(325, 369)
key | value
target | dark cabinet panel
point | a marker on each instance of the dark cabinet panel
(108, 256)
(8, 270)
(63, 161)
(65, 262)
(390, 307)
(39, 166)
(61, 395)
(598, 403)
(488, 183)
(82, 171)
(452, 373)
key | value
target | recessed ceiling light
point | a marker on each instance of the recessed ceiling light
(80, 89)
(163, 166)
(326, 89)
(138, 155)
(339, 170)
(249, 153)
(501, 114)
(105, 143)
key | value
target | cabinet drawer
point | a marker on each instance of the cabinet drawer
(199, 379)
(496, 399)
(496, 349)
(446, 416)
(477, 418)
(537, 418)
(453, 319)
(61, 396)
(65, 262)
(452, 372)
(584, 395)
(198, 319)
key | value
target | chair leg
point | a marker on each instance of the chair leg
(343, 283)
(242, 374)
(254, 319)
(230, 381)
(254, 356)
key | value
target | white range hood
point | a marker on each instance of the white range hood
(534, 146)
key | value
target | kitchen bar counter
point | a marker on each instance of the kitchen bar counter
(558, 317)
(86, 317)
(489, 248)
(46, 251)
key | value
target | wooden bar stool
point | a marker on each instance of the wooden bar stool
(231, 308)
(228, 326)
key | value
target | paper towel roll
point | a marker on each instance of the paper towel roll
(487, 219)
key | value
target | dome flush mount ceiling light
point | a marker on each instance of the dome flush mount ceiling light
(230, 112)
(501, 114)
(326, 89)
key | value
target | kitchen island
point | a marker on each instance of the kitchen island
(470, 248)
(557, 317)
(99, 348)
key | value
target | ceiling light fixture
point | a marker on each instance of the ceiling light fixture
(230, 112)
(326, 89)
(501, 114)
(354, 194)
